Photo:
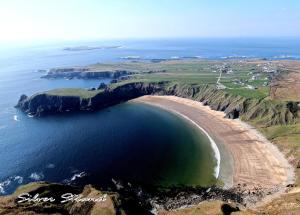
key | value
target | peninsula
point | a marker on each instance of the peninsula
(220, 97)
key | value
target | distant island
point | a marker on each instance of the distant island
(85, 48)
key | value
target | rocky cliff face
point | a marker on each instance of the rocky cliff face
(261, 111)
(44, 103)
(85, 73)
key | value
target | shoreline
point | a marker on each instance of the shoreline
(225, 178)
(256, 161)
(213, 144)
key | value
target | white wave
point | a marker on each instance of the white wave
(74, 177)
(79, 175)
(7, 182)
(212, 142)
(16, 118)
(175, 57)
(3, 185)
(29, 115)
(36, 176)
(50, 166)
(19, 179)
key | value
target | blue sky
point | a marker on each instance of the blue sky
(110, 19)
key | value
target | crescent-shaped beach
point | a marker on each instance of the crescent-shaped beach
(247, 158)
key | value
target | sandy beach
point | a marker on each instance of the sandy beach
(247, 158)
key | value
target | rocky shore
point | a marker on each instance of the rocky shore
(123, 199)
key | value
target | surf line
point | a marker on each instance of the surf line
(212, 142)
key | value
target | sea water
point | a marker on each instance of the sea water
(130, 142)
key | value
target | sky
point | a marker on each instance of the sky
(22, 20)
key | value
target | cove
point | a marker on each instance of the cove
(131, 142)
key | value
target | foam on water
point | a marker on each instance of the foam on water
(36, 176)
(74, 177)
(4, 184)
(212, 142)
(16, 118)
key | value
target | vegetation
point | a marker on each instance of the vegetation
(73, 92)
(236, 76)
(241, 84)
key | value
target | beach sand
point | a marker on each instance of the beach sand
(247, 158)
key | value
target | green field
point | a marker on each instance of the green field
(236, 77)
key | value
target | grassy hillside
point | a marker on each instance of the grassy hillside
(238, 84)
(239, 77)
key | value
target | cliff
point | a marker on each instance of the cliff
(47, 103)
(263, 112)
(85, 73)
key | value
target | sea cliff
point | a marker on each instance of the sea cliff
(85, 73)
(261, 111)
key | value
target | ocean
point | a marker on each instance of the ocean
(130, 142)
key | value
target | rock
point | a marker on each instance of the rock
(42, 70)
(263, 111)
(102, 86)
(42, 104)
(228, 209)
(45, 103)
(21, 101)
(232, 114)
(85, 73)
(114, 81)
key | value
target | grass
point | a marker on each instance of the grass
(73, 92)
(185, 72)
(287, 139)
(247, 93)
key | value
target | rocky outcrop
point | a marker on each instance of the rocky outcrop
(263, 112)
(121, 199)
(46, 103)
(90, 201)
(85, 73)
(43, 103)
